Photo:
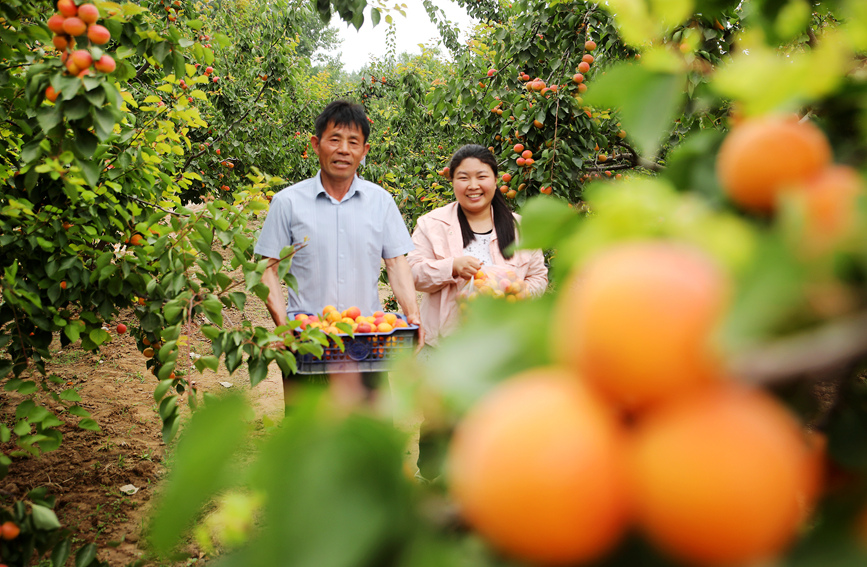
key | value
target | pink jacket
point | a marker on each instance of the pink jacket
(438, 241)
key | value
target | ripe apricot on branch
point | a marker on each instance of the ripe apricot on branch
(61, 42)
(763, 157)
(82, 59)
(720, 477)
(9, 530)
(67, 8)
(55, 23)
(105, 64)
(74, 26)
(98, 34)
(51, 94)
(637, 321)
(590, 45)
(500, 477)
(88, 13)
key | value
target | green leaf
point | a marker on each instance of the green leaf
(76, 109)
(172, 310)
(375, 16)
(53, 439)
(85, 143)
(21, 428)
(544, 221)
(210, 332)
(88, 424)
(49, 117)
(195, 24)
(211, 362)
(70, 395)
(162, 388)
(103, 120)
(79, 411)
(95, 97)
(781, 74)
(213, 310)
(98, 336)
(90, 169)
(61, 552)
(72, 332)
(5, 367)
(647, 100)
(85, 555)
(323, 478)
(258, 367)
(212, 436)
(222, 39)
(44, 518)
(38, 414)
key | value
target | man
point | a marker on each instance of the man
(351, 226)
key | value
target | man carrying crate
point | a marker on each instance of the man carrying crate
(351, 226)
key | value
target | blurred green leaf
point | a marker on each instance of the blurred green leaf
(203, 465)
(44, 518)
(641, 22)
(782, 75)
(647, 100)
(329, 480)
(544, 221)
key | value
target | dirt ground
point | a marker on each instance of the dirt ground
(88, 470)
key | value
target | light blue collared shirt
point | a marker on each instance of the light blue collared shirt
(341, 263)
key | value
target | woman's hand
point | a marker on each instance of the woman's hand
(466, 267)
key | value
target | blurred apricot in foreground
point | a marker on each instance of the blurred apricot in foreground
(721, 476)
(762, 157)
(828, 206)
(637, 322)
(537, 468)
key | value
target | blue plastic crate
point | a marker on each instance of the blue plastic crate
(365, 352)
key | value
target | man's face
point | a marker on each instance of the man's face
(340, 150)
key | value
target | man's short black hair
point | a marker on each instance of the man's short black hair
(342, 113)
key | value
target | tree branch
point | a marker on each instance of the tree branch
(814, 352)
(637, 160)
(149, 204)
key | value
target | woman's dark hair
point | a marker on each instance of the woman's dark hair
(342, 113)
(504, 221)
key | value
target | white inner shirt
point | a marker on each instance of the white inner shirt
(480, 247)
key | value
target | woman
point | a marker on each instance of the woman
(453, 242)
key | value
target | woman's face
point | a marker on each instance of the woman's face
(474, 184)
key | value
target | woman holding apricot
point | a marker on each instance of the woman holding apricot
(454, 242)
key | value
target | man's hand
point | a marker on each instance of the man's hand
(466, 267)
(400, 278)
(416, 320)
(275, 302)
